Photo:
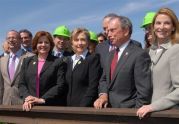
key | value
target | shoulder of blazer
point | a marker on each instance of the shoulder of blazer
(31, 58)
(92, 57)
(173, 50)
(51, 57)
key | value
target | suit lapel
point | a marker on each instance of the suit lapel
(106, 47)
(111, 54)
(47, 63)
(122, 60)
(19, 65)
(155, 55)
(5, 68)
(80, 62)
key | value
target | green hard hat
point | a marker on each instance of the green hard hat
(148, 19)
(62, 31)
(93, 36)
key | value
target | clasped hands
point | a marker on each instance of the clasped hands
(30, 101)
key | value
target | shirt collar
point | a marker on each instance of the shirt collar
(57, 51)
(123, 46)
(83, 55)
(18, 53)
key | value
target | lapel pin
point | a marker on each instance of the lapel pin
(126, 53)
(79, 62)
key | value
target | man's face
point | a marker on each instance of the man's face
(61, 42)
(116, 34)
(105, 26)
(26, 39)
(100, 39)
(14, 41)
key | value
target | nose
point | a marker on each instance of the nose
(162, 25)
(43, 44)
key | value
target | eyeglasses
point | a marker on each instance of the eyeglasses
(11, 38)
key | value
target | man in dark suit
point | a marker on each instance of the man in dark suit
(125, 82)
(105, 47)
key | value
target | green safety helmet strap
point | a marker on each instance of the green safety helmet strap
(62, 31)
(148, 19)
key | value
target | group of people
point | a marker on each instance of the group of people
(73, 69)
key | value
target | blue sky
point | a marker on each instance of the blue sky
(37, 15)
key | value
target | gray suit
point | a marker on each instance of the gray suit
(165, 75)
(9, 93)
(130, 86)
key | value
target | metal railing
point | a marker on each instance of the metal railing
(82, 115)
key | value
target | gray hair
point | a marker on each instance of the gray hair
(110, 15)
(125, 23)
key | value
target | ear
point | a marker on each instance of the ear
(126, 32)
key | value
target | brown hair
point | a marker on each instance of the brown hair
(173, 17)
(77, 31)
(36, 38)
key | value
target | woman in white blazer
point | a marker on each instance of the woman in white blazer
(164, 54)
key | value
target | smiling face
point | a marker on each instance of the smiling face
(26, 39)
(163, 27)
(80, 43)
(43, 46)
(13, 39)
(61, 42)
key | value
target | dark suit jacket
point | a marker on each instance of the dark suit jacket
(65, 53)
(137, 43)
(131, 83)
(103, 50)
(83, 81)
(51, 79)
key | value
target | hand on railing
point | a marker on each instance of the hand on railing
(101, 102)
(144, 110)
(30, 101)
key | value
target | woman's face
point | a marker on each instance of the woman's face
(43, 45)
(80, 44)
(163, 27)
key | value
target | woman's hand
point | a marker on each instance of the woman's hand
(30, 101)
(27, 106)
(34, 100)
(144, 110)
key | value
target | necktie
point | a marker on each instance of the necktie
(12, 67)
(114, 62)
